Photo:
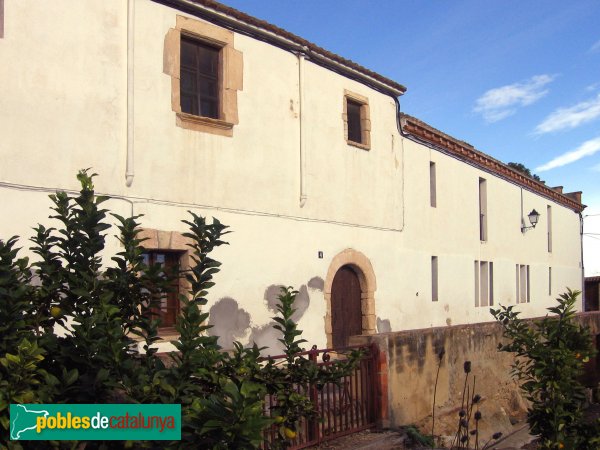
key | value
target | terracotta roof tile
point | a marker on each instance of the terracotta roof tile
(241, 16)
(465, 151)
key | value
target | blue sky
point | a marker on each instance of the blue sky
(519, 80)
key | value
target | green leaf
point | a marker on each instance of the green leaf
(13, 358)
(71, 376)
(102, 375)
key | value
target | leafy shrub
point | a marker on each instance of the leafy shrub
(416, 438)
(106, 315)
(549, 361)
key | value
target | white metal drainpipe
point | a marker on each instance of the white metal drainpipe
(583, 302)
(303, 195)
(129, 172)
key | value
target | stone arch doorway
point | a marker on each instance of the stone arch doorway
(350, 297)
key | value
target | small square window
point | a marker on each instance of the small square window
(357, 126)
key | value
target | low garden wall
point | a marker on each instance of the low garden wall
(411, 364)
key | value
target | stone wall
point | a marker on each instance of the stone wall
(412, 362)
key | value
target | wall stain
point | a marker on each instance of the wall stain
(301, 304)
(316, 283)
(229, 322)
(293, 109)
(271, 296)
(396, 350)
(383, 325)
(417, 345)
(35, 278)
(266, 335)
(439, 344)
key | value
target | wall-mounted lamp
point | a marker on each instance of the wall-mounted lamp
(533, 217)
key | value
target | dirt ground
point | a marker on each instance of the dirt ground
(399, 440)
(371, 440)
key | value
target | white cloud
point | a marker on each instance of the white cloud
(595, 47)
(499, 103)
(592, 87)
(568, 118)
(588, 148)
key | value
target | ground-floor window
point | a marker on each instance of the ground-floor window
(167, 309)
(523, 290)
(484, 283)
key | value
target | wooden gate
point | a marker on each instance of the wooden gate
(346, 408)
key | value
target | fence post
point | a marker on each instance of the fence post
(381, 386)
(313, 424)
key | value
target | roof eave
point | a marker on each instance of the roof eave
(237, 21)
(464, 151)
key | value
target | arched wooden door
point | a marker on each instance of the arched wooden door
(346, 314)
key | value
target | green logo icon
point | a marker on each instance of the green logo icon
(95, 422)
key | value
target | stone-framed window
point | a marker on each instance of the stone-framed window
(357, 122)
(217, 111)
(169, 244)
(168, 307)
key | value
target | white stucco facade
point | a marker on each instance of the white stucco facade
(286, 181)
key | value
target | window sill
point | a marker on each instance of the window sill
(206, 124)
(358, 144)
(166, 334)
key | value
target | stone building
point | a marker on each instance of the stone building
(382, 222)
